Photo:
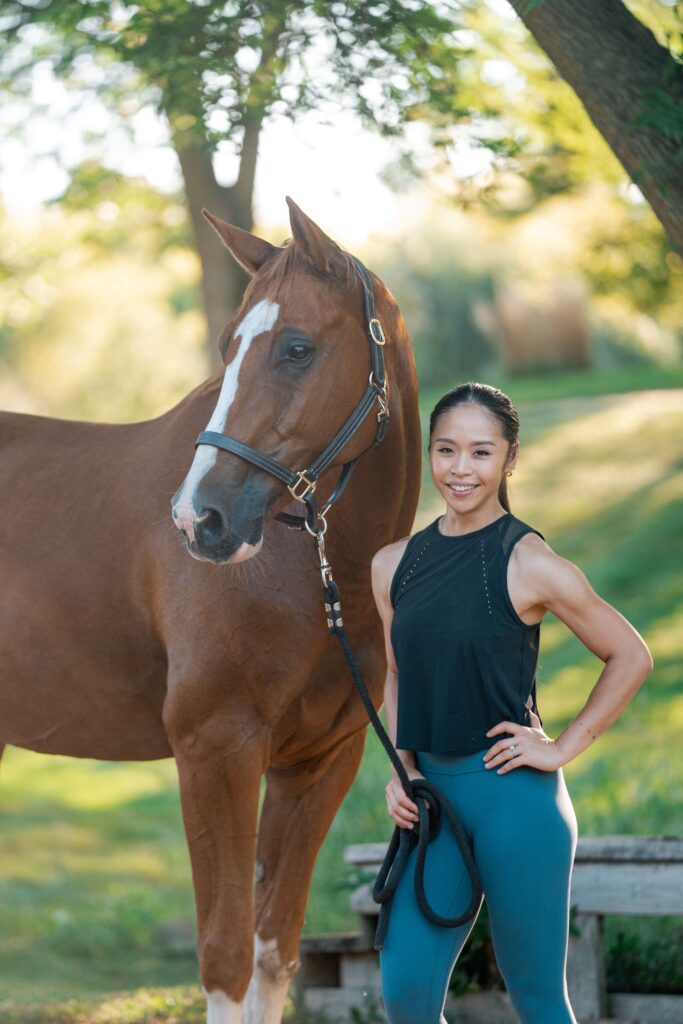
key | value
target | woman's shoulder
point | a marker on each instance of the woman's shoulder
(528, 544)
(539, 564)
(387, 558)
(385, 562)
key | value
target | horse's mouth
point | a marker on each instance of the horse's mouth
(224, 554)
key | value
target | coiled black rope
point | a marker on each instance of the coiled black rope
(430, 817)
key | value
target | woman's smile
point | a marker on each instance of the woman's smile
(461, 488)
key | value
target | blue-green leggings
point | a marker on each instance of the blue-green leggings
(523, 832)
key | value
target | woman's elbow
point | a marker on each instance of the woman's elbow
(642, 661)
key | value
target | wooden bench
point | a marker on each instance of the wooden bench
(635, 875)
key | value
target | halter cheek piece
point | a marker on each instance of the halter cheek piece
(302, 483)
(302, 486)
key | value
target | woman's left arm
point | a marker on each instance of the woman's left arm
(562, 588)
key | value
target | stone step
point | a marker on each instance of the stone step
(335, 1005)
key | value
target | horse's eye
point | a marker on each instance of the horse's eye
(299, 351)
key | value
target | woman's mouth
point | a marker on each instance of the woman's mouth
(461, 488)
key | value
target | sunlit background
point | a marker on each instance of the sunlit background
(521, 255)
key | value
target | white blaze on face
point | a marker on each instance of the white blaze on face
(260, 318)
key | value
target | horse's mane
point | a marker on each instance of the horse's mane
(279, 271)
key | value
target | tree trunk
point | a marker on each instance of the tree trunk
(223, 279)
(616, 66)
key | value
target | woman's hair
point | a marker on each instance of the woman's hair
(497, 403)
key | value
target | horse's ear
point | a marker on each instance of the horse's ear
(249, 250)
(316, 244)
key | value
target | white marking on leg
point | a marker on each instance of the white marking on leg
(265, 999)
(221, 1009)
(260, 318)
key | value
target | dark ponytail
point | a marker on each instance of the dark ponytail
(497, 403)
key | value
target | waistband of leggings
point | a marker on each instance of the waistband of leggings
(451, 764)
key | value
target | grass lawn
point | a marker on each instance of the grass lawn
(92, 856)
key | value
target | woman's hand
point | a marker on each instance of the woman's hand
(402, 809)
(533, 747)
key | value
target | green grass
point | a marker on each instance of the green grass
(173, 1005)
(559, 384)
(92, 855)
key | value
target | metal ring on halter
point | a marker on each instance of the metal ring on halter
(316, 532)
(376, 331)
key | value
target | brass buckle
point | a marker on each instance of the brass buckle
(375, 326)
(302, 478)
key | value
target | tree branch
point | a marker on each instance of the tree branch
(626, 81)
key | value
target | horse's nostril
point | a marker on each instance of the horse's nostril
(211, 526)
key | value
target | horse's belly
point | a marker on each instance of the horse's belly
(78, 677)
(148, 743)
(56, 713)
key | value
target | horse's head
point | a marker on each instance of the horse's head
(296, 356)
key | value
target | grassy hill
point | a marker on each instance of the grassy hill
(92, 856)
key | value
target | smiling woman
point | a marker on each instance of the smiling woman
(462, 602)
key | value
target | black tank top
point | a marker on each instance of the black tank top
(465, 659)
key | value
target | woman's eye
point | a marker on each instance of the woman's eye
(480, 451)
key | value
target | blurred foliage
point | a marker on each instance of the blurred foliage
(99, 296)
(437, 291)
(533, 133)
(547, 199)
(469, 70)
(130, 215)
(445, 263)
(99, 301)
(212, 67)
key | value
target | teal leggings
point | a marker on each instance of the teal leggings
(523, 832)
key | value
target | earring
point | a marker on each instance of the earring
(508, 473)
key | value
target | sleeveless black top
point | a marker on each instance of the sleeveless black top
(465, 659)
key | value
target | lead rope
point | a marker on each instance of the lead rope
(427, 828)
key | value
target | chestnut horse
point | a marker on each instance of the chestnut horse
(115, 644)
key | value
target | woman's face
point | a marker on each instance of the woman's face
(468, 456)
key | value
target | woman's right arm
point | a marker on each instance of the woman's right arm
(401, 808)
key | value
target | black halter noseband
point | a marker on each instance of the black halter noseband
(302, 484)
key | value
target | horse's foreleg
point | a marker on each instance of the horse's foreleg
(298, 810)
(220, 769)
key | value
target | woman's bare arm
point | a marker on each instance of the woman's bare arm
(383, 567)
(562, 588)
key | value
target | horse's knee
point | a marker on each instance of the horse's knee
(225, 967)
(269, 959)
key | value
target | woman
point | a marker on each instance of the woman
(461, 602)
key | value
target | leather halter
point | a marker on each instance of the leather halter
(302, 483)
